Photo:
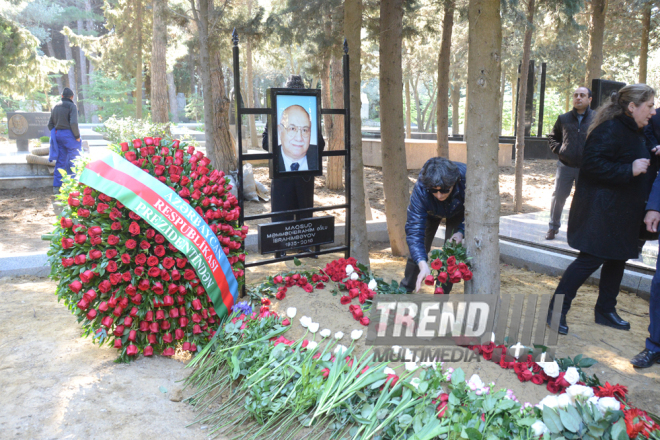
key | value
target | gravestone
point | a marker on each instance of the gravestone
(295, 234)
(24, 126)
(364, 108)
(181, 105)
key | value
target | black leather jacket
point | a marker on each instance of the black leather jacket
(65, 117)
(424, 205)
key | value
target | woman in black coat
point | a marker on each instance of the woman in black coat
(610, 196)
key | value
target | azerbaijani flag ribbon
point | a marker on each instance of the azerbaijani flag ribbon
(168, 213)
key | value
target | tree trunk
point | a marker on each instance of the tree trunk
(93, 108)
(644, 51)
(171, 91)
(596, 31)
(220, 145)
(360, 202)
(522, 97)
(249, 91)
(83, 78)
(191, 67)
(567, 98)
(336, 139)
(51, 53)
(408, 121)
(138, 68)
(514, 95)
(159, 108)
(72, 74)
(503, 86)
(482, 202)
(326, 99)
(443, 80)
(418, 107)
(393, 147)
(465, 113)
(455, 107)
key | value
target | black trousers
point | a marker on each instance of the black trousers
(292, 193)
(580, 270)
(409, 281)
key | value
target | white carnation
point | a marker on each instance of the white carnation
(549, 401)
(581, 391)
(475, 383)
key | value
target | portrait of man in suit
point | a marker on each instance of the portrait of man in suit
(295, 132)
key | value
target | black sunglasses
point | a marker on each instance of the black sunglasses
(439, 190)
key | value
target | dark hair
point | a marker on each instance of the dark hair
(618, 103)
(439, 172)
(295, 82)
(588, 90)
(67, 93)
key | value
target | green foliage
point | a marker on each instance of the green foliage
(110, 95)
(44, 139)
(583, 421)
(195, 107)
(118, 130)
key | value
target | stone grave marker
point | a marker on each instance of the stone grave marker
(24, 126)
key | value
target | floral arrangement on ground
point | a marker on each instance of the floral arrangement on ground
(126, 284)
(258, 381)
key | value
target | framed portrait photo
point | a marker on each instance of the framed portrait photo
(296, 122)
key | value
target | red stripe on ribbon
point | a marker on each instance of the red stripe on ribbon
(150, 196)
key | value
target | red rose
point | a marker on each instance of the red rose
(130, 156)
(169, 351)
(125, 258)
(88, 201)
(102, 207)
(143, 285)
(80, 238)
(364, 320)
(87, 276)
(149, 140)
(525, 375)
(130, 244)
(72, 201)
(174, 313)
(152, 261)
(66, 262)
(132, 350)
(110, 253)
(189, 274)
(66, 222)
(111, 267)
(91, 314)
(67, 243)
(138, 271)
(183, 321)
(115, 226)
(117, 344)
(197, 329)
(157, 288)
(168, 263)
(154, 272)
(83, 304)
(105, 286)
(84, 213)
(113, 240)
(134, 228)
(148, 350)
(106, 322)
(280, 295)
(140, 259)
(159, 250)
(80, 259)
(467, 275)
(131, 290)
(115, 214)
(345, 300)
(144, 245)
(137, 143)
(537, 379)
(167, 338)
(136, 299)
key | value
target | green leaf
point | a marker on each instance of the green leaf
(405, 419)
(619, 431)
(587, 362)
(457, 377)
(473, 434)
(552, 420)
(296, 261)
(570, 421)
(162, 389)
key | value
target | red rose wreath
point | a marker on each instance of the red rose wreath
(122, 279)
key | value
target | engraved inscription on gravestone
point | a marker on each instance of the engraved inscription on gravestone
(296, 234)
(23, 126)
(18, 125)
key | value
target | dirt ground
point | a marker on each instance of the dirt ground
(56, 384)
(26, 214)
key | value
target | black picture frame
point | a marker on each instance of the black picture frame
(286, 98)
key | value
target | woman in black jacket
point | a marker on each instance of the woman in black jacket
(609, 201)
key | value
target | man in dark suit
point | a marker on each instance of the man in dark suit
(295, 129)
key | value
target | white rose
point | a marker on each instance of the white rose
(312, 345)
(305, 321)
(349, 269)
(388, 370)
(356, 334)
(396, 349)
(575, 391)
(340, 349)
(594, 402)
(572, 375)
(291, 312)
(354, 276)
(564, 400)
(549, 401)
(608, 404)
(372, 284)
(325, 333)
(539, 428)
(551, 368)
(313, 327)
(339, 335)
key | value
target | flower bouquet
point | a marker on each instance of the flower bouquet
(126, 284)
(449, 264)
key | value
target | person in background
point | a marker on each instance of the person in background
(609, 202)
(65, 141)
(438, 194)
(567, 141)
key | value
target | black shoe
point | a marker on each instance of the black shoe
(563, 327)
(280, 254)
(611, 319)
(646, 358)
(550, 235)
